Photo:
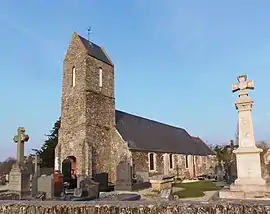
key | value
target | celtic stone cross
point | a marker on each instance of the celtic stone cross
(20, 139)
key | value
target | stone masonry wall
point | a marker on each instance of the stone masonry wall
(141, 163)
(219, 207)
(87, 112)
(73, 115)
(205, 164)
(119, 152)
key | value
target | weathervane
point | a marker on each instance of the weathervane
(88, 35)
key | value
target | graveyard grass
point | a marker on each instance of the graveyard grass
(195, 189)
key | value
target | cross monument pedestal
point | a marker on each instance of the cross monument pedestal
(249, 183)
(19, 176)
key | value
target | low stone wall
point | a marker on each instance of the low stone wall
(56, 207)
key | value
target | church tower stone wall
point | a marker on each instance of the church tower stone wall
(87, 108)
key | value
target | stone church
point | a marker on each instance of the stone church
(96, 137)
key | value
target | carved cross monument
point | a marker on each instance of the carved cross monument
(20, 139)
(19, 176)
(247, 155)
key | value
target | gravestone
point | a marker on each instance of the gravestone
(80, 178)
(79, 193)
(166, 194)
(46, 185)
(220, 173)
(232, 168)
(19, 180)
(102, 179)
(166, 164)
(142, 177)
(87, 189)
(19, 176)
(123, 177)
(36, 176)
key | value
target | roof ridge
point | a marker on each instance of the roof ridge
(82, 38)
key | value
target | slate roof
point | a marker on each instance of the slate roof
(203, 146)
(148, 135)
(95, 51)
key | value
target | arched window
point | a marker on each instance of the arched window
(100, 77)
(73, 76)
(151, 162)
(171, 160)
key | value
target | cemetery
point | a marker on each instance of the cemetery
(240, 189)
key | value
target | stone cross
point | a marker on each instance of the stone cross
(36, 175)
(20, 139)
(247, 154)
(243, 85)
(37, 165)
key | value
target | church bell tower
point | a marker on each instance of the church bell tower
(87, 108)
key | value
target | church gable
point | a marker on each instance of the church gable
(148, 135)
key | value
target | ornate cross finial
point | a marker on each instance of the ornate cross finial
(243, 85)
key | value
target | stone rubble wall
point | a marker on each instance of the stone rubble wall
(47, 207)
(204, 164)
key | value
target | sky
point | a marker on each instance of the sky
(175, 62)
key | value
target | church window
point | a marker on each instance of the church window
(171, 161)
(100, 77)
(73, 76)
(151, 161)
(186, 161)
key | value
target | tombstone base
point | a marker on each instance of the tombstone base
(22, 195)
(19, 180)
(249, 181)
(249, 192)
(123, 187)
(159, 185)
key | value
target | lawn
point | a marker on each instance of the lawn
(195, 189)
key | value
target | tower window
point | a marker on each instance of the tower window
(100, 77)
(73, 76)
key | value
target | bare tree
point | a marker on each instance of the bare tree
(6, 165)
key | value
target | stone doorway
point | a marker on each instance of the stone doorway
(66, 170)
(69, 172)
(73, 161)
